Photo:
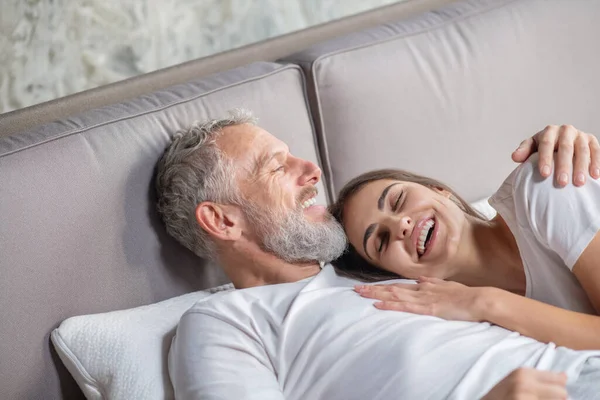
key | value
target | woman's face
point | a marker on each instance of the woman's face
(405, 227)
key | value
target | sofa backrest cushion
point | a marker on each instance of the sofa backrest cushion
(79, 233)
(451, 93)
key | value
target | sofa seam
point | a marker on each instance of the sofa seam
(313, 67)
(316, 139)
(324, 145)
(417, 32)
(281, 68)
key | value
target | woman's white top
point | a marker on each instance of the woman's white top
(552, 227)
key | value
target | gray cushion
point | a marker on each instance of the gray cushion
(451, 93)
(79, 231)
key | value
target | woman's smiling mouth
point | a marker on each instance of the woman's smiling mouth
(424, 234)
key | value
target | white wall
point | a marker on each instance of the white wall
(52, 48)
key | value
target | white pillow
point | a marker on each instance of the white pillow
(123, 354)
(484, 208)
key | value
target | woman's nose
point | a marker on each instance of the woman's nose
(403, 226)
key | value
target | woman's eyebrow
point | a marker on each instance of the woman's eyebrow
(371, 228)
(384, 193)
(368, 234)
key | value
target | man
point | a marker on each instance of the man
(233, 193)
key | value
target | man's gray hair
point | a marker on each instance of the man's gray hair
(193, 170)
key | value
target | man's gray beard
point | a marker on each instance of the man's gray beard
(291, 237)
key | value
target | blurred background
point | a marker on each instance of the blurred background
(53, 48)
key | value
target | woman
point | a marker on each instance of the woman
(534, 268)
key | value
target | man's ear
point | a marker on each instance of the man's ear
(220, 221)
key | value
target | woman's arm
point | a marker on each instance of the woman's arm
(538, 320)
(548, 323)
(587, 271)
(455, 301)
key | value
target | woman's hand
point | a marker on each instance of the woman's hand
(430, 296)
(530, 384)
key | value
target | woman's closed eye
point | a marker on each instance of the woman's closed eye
(385, 236)
(383, 240)
(397, 202)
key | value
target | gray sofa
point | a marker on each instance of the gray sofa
(447, 93)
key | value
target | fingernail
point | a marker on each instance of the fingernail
(546, 170)
(378, 304)
(597, 173)
(580, 178)
(563, 179)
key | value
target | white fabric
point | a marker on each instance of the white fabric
(484, 208)
(123, 354)
(552, 227)
(318, 339)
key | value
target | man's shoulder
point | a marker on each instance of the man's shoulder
(245, 301)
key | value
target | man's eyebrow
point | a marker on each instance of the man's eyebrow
(371, 228)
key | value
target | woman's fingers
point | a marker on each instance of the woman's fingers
(389, 296)
(397, 297)
(430, 280)
(423, 309)
(389, 293)
(386, 288)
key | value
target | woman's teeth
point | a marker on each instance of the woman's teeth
(309, 202)
(423, 236)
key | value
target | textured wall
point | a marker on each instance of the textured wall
(52, 48)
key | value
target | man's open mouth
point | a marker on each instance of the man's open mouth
(309, 202)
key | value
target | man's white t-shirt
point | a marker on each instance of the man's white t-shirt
(552, 227)
(318, 339)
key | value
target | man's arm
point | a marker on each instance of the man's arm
(577, 151)
(213, 359)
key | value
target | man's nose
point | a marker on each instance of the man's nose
(310, 173)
